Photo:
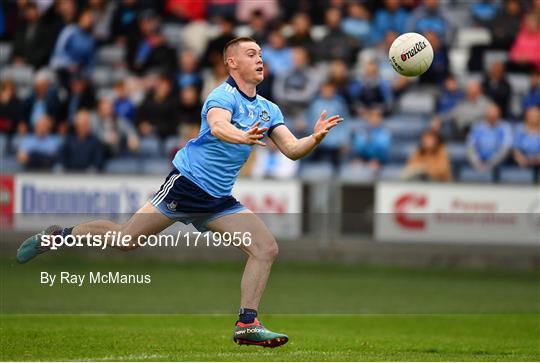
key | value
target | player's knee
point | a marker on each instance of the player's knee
(269, 250)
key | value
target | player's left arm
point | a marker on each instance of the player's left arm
(294, 148)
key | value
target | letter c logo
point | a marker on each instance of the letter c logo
(403, 218)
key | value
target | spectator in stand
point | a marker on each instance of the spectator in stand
(124, 21)
(60, 15)
(532, 98)
(157, 114)
(271, 164)
(215, 77)
(371, 90)
(188, 74)
(103, 12)
(117, 134)
(301, 32)
(526, 148)
(489, 141)
(190, 107)
(123, 107)
(214, 49)
(430, 161)
(217, 8)
(496, 86)
(371, 142)
(503, 28)
(149, 52)
(276, 54)
(483, 11)
(357, 23)
(82, 96)
(244, 9)
(82, 151)
(42, 101)
(336, 44)
(186, 10)
(465, 114)
(450, 95)
(525, 52)
(332, 147)
(74, 51)
(391, 18)
(10, 107)
(33, 41)
(431, 18)
(338, 74)
(259, 27)
(439, 68)
(39, 149)
(295, 89)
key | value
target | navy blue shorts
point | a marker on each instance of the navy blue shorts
(184, 201)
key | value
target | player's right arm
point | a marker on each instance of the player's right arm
(219, 120)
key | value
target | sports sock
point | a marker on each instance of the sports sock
(247, 316)
(64, 232)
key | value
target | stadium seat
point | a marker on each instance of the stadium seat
(316, 171)
(405, 129)
(9, 164)
(492, 56)
(22, 75)
(468, 174)
(173, 34)
(103, 77)
(457, 152)
(318, 32)
(418, 103)
(5, 52)
(123, 166)
(356, 173)
(195, 36)
(159, 166)
(150, 147)
(520, 83)
(515, 175)
(399, 152)
(458, 60)
(469, 36)
(110, 55)
(391, 172)
(4, 145)
(170, 144)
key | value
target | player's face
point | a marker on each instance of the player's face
(250, 63)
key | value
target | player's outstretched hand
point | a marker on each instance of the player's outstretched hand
(324, 125)
(255, 134)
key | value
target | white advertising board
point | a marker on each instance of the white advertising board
(454, 213)
(41, 198)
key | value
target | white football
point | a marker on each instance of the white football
(410, 54)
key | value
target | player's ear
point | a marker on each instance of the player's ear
(231, 62)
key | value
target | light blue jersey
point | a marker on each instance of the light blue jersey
(214, 164)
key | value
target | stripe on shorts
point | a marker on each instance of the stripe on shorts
(166, 189)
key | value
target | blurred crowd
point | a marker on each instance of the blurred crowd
(86, 83)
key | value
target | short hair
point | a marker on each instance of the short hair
(234, 43)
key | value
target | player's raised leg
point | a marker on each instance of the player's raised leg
(261, 252)
(146, 221)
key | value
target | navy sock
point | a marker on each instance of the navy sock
(64, 232)
(247, 316)
(67, 231)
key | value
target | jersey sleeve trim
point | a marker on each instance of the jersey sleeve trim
(274, 126)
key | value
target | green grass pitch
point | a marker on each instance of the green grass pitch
(331, 313)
